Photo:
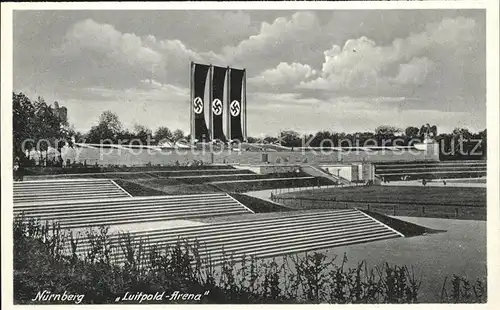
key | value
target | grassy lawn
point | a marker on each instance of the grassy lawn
(172, 187)
(474, 197)
(258, 205)
(135, 189)
(215, 178)
(157, 188)
(212, 172)
(263, 184)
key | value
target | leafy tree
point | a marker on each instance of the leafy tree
(321, 136)
(125, 136)
(38, 124)
(433, 131)
(462, 132)
(111, 120)
(23, 122)
(270, 139)
(428, 131)
(387, 130)
(290, 138)
(75, 136)
(178, 135)
(143, 133)
(252, 140)
(484, 139)
(162, 134)
(385, 134)
(411, 131)
(107, 130)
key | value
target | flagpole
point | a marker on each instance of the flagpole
(210, 99)
(245, 106)
(228, 112)
(191, 116)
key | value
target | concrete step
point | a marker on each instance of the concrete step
(60, 182)
(235, 225)
(63, 190)
(205, 232)
(233, 241)
(283, 241)
(45, 193)
(432, 172)
(257, 221)
(264, 237)
(441, 164)
(287, 247)
(137, 220)
(75, 215)
(120, 200)
(112, 211)
(305, 246)
(103, 206)
(452, 168)
(34, 200)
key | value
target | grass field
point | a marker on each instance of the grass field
(474, 197)
(434, 256)
(272, 184)
(165, 187)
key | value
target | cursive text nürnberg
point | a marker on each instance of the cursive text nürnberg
(49, 296)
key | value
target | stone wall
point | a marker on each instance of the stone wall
(136, 157)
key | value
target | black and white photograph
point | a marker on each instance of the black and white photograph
(249, 154)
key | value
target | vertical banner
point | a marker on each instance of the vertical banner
(199, 79)
(245, 105)
(217, 97)
(235, 107)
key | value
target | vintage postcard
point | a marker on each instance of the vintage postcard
(250, 153)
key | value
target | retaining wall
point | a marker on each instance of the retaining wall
(154, 157)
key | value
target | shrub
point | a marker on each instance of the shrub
(48, 258)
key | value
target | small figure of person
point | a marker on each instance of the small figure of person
(444, 182)
(424, 182)
(17, 170)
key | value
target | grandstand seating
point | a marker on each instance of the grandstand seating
(264, 237)
(61, 190)
(437, 170)
(142, 174)
(83, 213)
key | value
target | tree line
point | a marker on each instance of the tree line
(110, 130)
(37, 125)
(461, 143)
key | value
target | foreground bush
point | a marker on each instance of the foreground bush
(42, 262)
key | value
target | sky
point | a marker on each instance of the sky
(337, 70)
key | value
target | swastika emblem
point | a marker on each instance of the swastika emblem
(235, 108)
(217, 106)
(198, 105)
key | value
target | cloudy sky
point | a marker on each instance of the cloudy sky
(307, 70)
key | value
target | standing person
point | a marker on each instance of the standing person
(17, 170)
